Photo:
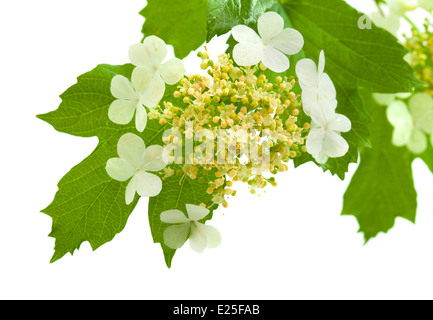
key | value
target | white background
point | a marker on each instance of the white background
(290, 243)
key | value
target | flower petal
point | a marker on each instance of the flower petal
(119, 169)
(172, 71)
(196, 212)
(390, 22)
(153, 159)
(121, 111)
(334, 145)
(289, 41)
(148, 185)
(321, 158)
(329, 106)
(306, 70)
(131, 188)
(131, 149)
(426, 122)
(197, 239)
(401, 136)
(398, 115)
(175, 236)
(247, 54)
(325, 111)
(420, 104)
(418, 142)
(404, 95)
(156, 49)
(340, 123)
(270, 25)
(275, 60)
(213, 236)
(320, 102)
(310, 100)
(140, 78)
(326, 88)
(174, 216)
(121, 88)
(384, 99)
(315, 141)
(139, 56)
(140, 118)
(321, 65)
(246, 35)
(154, 93)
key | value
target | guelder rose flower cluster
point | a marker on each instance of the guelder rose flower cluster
(230, 102)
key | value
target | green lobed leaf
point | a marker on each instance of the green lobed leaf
(351, 105)
(427, 157)
(83, 111)
(382, 188)
(369, 58)
(223, 15)
(355, 58)
(89, 205)
(178, 191)
(179, 23)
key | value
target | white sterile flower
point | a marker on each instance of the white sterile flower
(319, 102)
(131, 98)
(150, 54)
(324, 140)
(270, 47)
(134, 161)
(316, 85)
(201, 236)
(411, 125)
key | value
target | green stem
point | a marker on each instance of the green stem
(379, 8)
(410, 22)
